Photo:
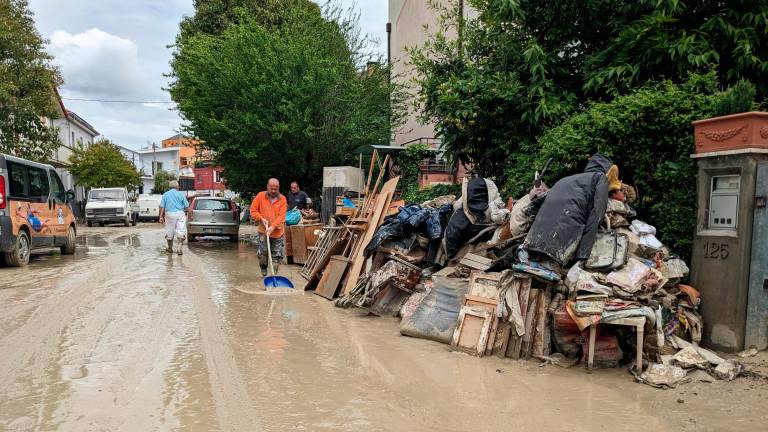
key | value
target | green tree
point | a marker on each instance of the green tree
(27, 85)
(162, 182)
(526, 65)
(280, 100)
(103, 165)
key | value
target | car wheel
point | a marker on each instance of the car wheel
(134, 220)
(69, 246)
(19, 255)
(90, 224)
(127, 221)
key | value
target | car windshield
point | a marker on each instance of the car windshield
(106, 195)
(210, 204)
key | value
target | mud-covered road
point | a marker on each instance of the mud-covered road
(122, 337)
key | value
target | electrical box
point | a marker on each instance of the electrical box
(724, 202)
(729, 260)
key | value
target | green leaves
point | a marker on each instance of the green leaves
(103, 165)
(28, 82)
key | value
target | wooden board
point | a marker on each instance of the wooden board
(379, 206)
(476, 262)
(332, 276)
(530, 324)
(515, 341)
(541, 321)
(303, 237)
(472, 330)
(483, 284)
(288, 245)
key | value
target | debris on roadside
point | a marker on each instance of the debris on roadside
(569, 275)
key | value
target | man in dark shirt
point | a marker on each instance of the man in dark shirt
(297, 197)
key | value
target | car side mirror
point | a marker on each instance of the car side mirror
(70, 195)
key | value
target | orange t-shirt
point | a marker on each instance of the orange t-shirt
(273, 212)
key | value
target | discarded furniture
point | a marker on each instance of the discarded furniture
(302, 238)
(334, 272)
(637, 322)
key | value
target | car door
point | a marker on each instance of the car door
(39, 211)
(62, 214)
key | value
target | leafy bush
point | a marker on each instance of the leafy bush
(431, 192)
(739, 98)
(649, 135)
(408, 162)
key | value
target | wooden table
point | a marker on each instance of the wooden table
(637, 322)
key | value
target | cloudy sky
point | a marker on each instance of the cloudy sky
(116, 50)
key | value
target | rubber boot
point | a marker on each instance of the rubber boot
(275, 266)
(179, 244)
(169, 249)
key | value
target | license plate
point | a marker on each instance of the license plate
(212, 230)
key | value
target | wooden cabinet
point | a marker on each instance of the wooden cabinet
(302, 238)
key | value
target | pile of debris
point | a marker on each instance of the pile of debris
(566, 275)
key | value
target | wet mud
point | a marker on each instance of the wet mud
(122, 337)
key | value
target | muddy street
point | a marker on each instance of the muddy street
(122, 337)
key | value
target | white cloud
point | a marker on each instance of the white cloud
(100, 65)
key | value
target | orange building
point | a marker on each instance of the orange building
(189, 149)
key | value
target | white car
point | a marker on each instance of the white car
(109, 205)
(149, 207)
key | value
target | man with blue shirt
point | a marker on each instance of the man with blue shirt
(173, 213)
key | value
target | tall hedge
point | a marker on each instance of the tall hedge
(648, 134)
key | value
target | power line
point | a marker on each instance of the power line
(118, 101)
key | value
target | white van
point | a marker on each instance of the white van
(149, 207)
(109, 205)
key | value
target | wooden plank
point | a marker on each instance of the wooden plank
(530, 324)
(541, 321)
(503, 333)
(332, 275)
(289, 245)
(381, 203)
(516, 341)
(476, 262)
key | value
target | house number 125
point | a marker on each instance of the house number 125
(716, 250)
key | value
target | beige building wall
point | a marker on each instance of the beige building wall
(408, 19)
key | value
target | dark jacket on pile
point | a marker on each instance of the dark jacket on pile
(566, 225)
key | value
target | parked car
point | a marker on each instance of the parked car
(34, 210)
(149, 207)
(211, 216)
(110, 205)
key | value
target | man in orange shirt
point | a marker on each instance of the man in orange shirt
(268, 212)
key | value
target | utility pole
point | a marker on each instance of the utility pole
(460, 30)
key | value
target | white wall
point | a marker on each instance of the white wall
(71, 135)
(408, 18)
(168, 158)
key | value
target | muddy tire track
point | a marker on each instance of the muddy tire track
(234, 407)
(34, 342)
